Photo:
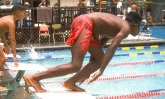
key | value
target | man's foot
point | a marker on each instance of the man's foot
(35, 84)
(2, 86)
(27, 84)
(72, 87)
(1, 73)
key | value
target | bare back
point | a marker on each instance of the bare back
(108, 25)
(7, 24)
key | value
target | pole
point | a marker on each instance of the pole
(100, 5)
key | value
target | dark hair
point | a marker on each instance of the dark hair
(133, 17)
(18, 7)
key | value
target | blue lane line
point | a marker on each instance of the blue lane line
(156, 90)
(159, 61)
(145, 53)
(140, 47)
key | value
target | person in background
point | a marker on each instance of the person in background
(113, 1)
(150, 20)
(141, 11)
(121, 10)
(28, 15)
(82, 8)
(134, 7)
(89, 33)
(55, 5)
(163, 19)
(43, 4)
(148, 10)
(129, 8)
(148, 14)
(7, 24)
(7, 3)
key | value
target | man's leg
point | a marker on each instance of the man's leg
(2, 58)
(61, 70)
(2, 62)
(94, 64)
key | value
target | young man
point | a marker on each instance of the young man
(7, 24)
(89, 33)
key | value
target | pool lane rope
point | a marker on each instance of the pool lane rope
(135, 95)
(129, 76)
(144, 53)
(105, 78)
(140, 47)
(136, 63)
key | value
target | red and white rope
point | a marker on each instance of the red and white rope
(129, 76)
(135, 95)
(111, 78)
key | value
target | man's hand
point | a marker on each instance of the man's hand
(15, 61)
(95, 76)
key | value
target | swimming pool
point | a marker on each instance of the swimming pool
(158, 31)
(133, 72)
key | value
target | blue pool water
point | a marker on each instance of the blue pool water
(158, 31)
(102, 88)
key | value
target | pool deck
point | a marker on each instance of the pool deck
(140, 40)
(62, 93)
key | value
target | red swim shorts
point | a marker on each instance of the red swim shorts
(79, 24)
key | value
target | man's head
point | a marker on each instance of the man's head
(134, 17)
(19, 11)
(135, 20)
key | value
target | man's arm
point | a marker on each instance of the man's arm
(6, 46)
(109, 53)
(103, 41)
(3, 39)
(13, 41)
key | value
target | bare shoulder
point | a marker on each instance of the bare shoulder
(7, 20)
(104, 17)
(99, 14)
(108, 24)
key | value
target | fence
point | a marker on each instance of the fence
(27, 31)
